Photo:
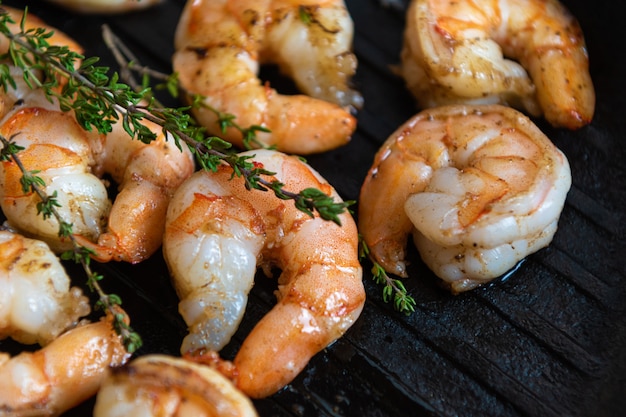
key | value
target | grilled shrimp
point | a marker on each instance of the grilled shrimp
(37, 302)
(166, 386)
(72, 162)
(58, 38)
(217, 233)
(61, 375)
(220, 45)
(479, 187)
(105, 6)
(147, 175)
(454, 52)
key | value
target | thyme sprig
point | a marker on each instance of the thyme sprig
(393, 289)
(129, 65)
(47, 208)
(308, 200)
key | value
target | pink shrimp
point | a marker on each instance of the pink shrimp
(220, 45)
(454, 52)
(217, 233)
(61, 375)
(479, 187)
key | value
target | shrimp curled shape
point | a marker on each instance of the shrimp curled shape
(480, 188)
(72, 163)
(37, 303)
(166, 386)
(220, 45)
(217, 233)
(61, 375)
(454, 53)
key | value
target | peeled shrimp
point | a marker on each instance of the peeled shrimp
(61, 375)
(147, 175)
(165, 386)
(71, 162)
(220, 45)
(105, 6)
(480, 188)
(58, 38)
(36, 300)
(454, 52)
(217, 233)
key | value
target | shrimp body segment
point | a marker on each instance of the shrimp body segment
(60, 152)
(529, 54)
(58, 38)
(164, 386)
(479, 187)
(217, 233)
(61, 375)
(37, 302)
(221, 44)
(146, 176)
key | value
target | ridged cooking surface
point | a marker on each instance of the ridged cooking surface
(549, 340)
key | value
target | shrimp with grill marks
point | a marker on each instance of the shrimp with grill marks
(529, 54)
(37, 301)
(215, 237)
(220, 45)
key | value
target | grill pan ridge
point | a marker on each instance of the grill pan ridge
(548, 339)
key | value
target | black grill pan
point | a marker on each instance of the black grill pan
(548, 339)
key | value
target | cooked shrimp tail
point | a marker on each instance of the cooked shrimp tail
(61, 375)
(147, 175)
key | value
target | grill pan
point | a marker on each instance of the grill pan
(547, 339)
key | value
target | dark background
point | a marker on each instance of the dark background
(549, 340)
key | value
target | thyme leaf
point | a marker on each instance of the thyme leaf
(393, 289)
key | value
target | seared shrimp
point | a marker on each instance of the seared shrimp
(220, 45)
(454, 52)
(217, 233)
(105, 6)
(165, 386)
(61, 375)
(37, 302)
(71, 162)
(147, 175)
(58, 38)
(480, 188)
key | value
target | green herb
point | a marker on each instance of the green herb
(393, 289)
(47, 207)
(305, 14)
